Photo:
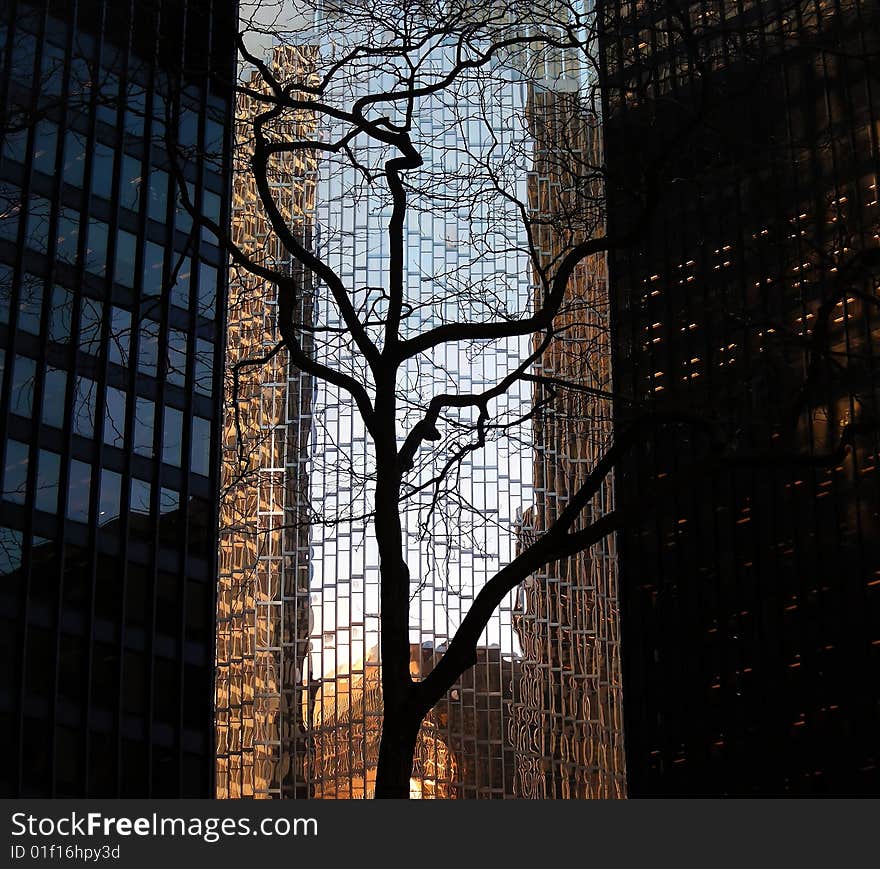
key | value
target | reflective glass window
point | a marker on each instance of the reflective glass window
(102, 170)
(61, 315)
(78, 491)
(148, 347)
(30, 304)
(48, 472)
(200, 458)
(111, 494)
(130, 184)
(120, 336)
(158, 203)
(114, 417)
(144, 414)
(54, 394)
(204, 367)
(15, 471)
(140, 496)
(10, 550)
(74, 158)
(207, 290)
(24, 374)
(84, 397)
(91, 313)
(126, 252)
(154, 258)
(45, 146)
(97, 244)
(176, 370)
(172, 436)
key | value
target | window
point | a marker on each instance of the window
(54, 395)
(102, 170)
(10, 550)
(5, 290)
(39, 210)
(170, 531)
(78, 491)
(61, 315)
(181, 281)
(84, 406)
(111, 494)
(15, 472)
(74, 158)
(207, 290)
(96, 246)
(21, 399)
(145, 411)
(30, 304)
(172, 436)
(182, 219)
(154, 258)
(200, 459)
(140, 496)
(176, 369)
(90, 317)
(114, 418)
(120, 336)
(67, 237)
(130, 181)
(157, 206)
(204, 367)
(148, 347)
(45, 146)
(48, 472)
(126, 250)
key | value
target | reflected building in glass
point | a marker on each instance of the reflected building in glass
(299, 690)
(111, 308)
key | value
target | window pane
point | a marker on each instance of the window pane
(96, 247)
(37, 237)
(10, 550)
(78, 491)
(148, 347)
(154, 258)
(15, 472)
(74, 158)
(30, 304)
(207, 290)
(24, 372)
(145, 411)
(48, 471)
(200, 459)
(114, 418)
(172, 436)
(5, 289)
(45, 146)
(84, 406)
(10, 210)
(91, 313)
(176, 369)
(180, 287)
(158, 205)
(130, 184)
(61, 315)
(120, 336)
(67, 235)
(102, 170)
(140, 496)
(111, 494)
(126, 247)
(54, 394)
(204, 367)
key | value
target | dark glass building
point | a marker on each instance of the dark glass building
(111, 325)
(741, 143)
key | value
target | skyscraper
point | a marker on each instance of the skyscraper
(742, 156)
(111, 309)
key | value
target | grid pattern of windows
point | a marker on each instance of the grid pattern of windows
(108, 324)
(750, 597)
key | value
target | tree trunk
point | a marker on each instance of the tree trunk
(400, 730)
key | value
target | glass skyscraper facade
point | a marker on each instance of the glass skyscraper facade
(111, 311)
(299, 690)
(751, 592)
